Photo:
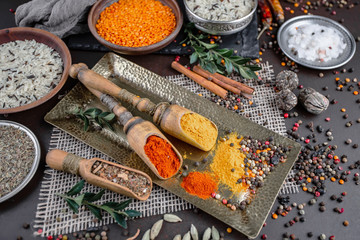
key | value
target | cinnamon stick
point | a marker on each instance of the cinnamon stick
(200, 80)
(208, 76)
(243, 87)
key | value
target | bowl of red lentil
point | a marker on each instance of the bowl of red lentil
(135, 27)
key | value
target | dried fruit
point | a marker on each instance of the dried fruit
(313, 101)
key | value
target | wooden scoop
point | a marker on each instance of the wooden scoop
(136, 129)
(166, 115)
(67, 162)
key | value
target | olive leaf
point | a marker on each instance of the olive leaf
(95, 115)
(213, 59)
(115, 209)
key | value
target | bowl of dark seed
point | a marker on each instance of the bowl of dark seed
(34, 66)
(19, 158)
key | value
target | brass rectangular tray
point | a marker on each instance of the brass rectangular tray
(147, 84)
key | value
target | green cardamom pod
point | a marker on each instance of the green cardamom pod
(172, 218)
(155, 229)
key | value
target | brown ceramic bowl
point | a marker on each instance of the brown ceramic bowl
(100, 6)
(41, 36)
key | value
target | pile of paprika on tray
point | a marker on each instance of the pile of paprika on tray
(136, 23)
(162, 155)
(199, 184)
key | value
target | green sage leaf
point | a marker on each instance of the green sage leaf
(254, 67)
(228, 66)
(92, 112)
(123, 205)
(79, 199)
(194, 57)
(109, 125)
(96, 211)
(76, 188)
(225, 52)
(99, 121)
(72, 205)
(208, 45)
(120, 220)
(108, 116)
(92, 197)
(132, 213)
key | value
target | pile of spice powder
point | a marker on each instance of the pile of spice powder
(17, 155)
(136, 23)
(228, 164)
(162, 155)
(200, 129)
(199, 184)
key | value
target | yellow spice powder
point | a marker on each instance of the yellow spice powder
(200, 129)
(228, 164)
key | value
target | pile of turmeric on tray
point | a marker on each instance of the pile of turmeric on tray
(240, 165)
(136, 23)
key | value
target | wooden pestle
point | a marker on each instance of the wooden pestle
(166, 115)
(136, 129)
(60, 160)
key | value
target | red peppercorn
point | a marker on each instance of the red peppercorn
(336, 161)
(307, 140)
(264, 225)
(50, 238)
(264, 236)
(12, 10)
(294, 129)
(341, 210)
(224, 201)
(327, 119)
(344, 193)
(300, 87)
(332, 237)
(213, 194)
(296, 125)
(317, 194)
(286, 115)
(267, 142)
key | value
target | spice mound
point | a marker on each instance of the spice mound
(220, 10)
(199, 184)
(162, 155)
(17, 154)
(28, 71)
(137, 183)
(314, 42)
(200, 129)
(242, 163)
(136, 23)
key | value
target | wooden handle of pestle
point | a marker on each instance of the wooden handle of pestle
(55, 159)
(95, 81)
(212, 87)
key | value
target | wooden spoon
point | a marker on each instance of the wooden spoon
(166, 115)
(60, 160)
(136, 129)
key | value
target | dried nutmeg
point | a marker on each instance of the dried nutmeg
(286, 79)
(286, 100)
(313, 101)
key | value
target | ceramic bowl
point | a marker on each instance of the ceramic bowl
(100, 6)
(47, 38)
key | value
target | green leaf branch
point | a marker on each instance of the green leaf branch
(95, 115)
(213, 59)
(115, 209)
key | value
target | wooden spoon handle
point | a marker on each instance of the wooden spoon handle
(63, 161)
(95, 81)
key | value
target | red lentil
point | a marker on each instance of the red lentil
(136, 23)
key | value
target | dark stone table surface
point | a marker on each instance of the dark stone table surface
(21, 208)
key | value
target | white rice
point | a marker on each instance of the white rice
(314, 42)
(217, 10)
(28, 71)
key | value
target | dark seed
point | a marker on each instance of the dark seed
(26, 225)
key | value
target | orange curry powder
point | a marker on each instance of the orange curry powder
(136, 23)
(199, 184)
(162, 155)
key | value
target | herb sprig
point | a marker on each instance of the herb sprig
(115, 209)
(214, 59)
(95, 115)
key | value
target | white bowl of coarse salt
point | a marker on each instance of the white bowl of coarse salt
(316, 42)
(34, 66)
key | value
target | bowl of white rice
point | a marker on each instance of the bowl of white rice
(34, 66)
(220, 17)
